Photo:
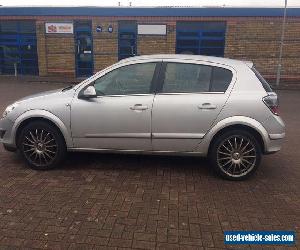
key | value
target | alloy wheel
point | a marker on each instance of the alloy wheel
(39, 147)
(236, 156)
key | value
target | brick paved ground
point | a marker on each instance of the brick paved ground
(117, 201)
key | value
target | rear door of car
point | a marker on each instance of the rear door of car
(189, 98)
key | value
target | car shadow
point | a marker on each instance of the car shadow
(133, 162)
(109, 161)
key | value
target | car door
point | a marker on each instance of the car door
(120, 116)
(190, 97)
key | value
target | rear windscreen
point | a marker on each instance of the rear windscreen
(263, 81)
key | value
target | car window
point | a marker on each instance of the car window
(184, 77)
(127, 80)
(221, 78)
(187, 78)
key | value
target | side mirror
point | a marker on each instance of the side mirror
(89, 92)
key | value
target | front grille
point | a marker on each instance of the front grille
(2, 132)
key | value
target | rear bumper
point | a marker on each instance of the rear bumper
(275, 128)
(274, 143)
(277, 136)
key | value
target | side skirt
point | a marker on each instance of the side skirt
(128, 151)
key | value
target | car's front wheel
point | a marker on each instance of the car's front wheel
(235, 155)
(42, 145)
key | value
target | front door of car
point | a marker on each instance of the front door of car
(120, 116)
(189, 100)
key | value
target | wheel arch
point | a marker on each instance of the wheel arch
(41, 115)
(236, 122)
(247, 128)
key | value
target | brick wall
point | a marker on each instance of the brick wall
(258, 40)
(56, 53)
(152, 44)
(247, 38)
(105, 44)
(41, 48)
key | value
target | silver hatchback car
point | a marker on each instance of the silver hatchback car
(158, 104)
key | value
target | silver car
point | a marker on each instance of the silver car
(158, 104)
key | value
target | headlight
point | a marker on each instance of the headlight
(9, 109)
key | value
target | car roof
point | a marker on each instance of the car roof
(213, 59)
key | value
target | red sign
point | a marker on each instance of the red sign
(60, 28)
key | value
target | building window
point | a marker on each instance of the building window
(18, 47)
(200, 38)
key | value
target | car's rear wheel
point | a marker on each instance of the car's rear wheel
(235, 155)
(42, 145)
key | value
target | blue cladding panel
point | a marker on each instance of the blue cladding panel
(127, 39)
(18, 45)
(84, 42)
(134, 11)
(200, 38)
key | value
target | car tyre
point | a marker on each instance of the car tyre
(235, 155)
(42, 145)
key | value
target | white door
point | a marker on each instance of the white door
(120, 116)
(190, 99)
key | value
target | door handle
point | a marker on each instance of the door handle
(139, 107)
(207, 105)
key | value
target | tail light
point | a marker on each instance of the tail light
(272, 103)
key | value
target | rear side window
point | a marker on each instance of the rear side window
(189, 78)
(220, 79)
(263, 81)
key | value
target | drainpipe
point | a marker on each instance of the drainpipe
(16, 69)
(281, 46)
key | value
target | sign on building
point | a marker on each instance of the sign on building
(152, 29)
(59, 28)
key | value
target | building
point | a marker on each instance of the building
(77, 41)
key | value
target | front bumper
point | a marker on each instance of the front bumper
(6, 136)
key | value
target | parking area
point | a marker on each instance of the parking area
(106, 201)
